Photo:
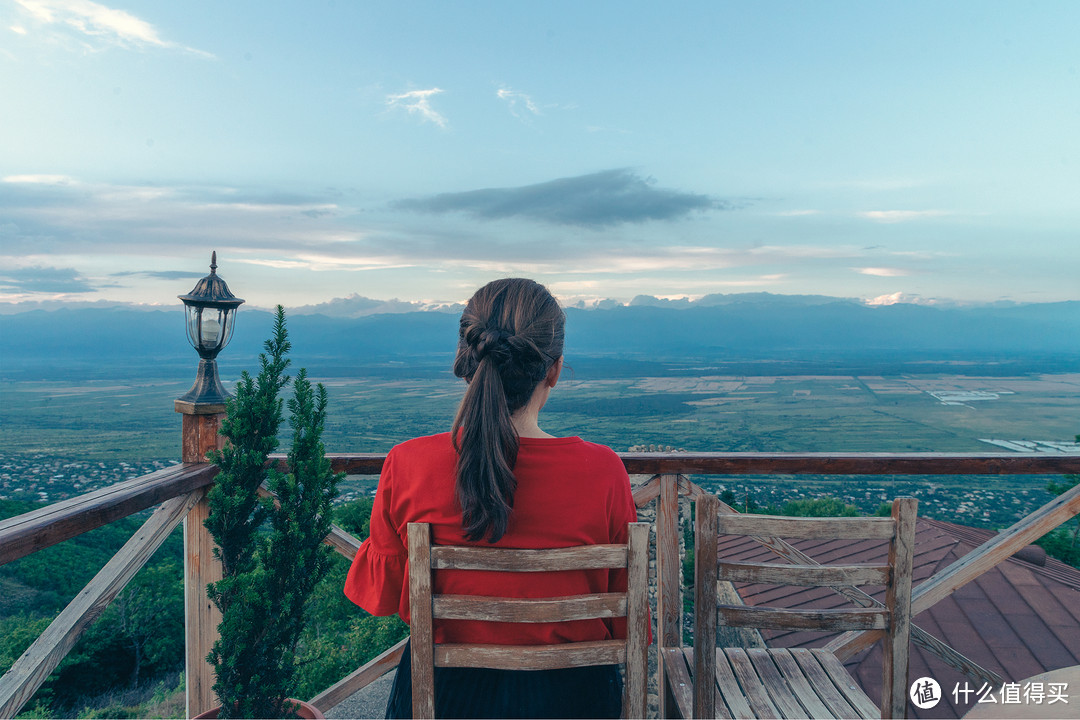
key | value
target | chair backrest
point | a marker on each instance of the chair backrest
(894, 618)
(426, 607)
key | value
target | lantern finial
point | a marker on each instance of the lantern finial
(213, 262)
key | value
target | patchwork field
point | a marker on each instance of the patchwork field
(60, 439)
(820, 413)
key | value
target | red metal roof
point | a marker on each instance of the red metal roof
(1018, 619)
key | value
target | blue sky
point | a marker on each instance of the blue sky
(415, 150)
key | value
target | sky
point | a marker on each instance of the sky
(916, 151)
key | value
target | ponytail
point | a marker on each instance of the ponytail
(510, 335)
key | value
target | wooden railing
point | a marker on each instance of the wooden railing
(180, 494)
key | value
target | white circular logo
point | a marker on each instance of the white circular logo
(925, 693)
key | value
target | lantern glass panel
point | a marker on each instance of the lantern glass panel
(194, 317)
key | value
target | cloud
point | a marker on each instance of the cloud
(161, 274)
(41, 179)
(882, 271)
(44, 280)
(108, 25)
(515, 99)
(602, 199)
(896, 216)
(418, 102)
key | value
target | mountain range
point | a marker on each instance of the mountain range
(714, 330)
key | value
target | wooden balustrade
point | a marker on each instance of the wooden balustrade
(179, 490)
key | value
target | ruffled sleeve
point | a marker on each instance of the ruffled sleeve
(377, 574)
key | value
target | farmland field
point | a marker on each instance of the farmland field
(57, 434)
(818, 413)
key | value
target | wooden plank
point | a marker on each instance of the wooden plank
(776, 685)
(995, 550)
(579, 557)
(645, 494)
(854, 528)
(821, 682)
(678, 682)
(637, 622)
(798, 683)
(854, 694)
(201, 615)
(824, 620)
(41, 528)
(420, 625)
(706, 511)
(729, 689)
(530, 657)
(342, 541)
(816, 575)
(668, 569)
(359, 679)
(753, 463)
(28, 672)
(752, 686)
(528, 610)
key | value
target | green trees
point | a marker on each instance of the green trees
(272, 553)
(1063, 542)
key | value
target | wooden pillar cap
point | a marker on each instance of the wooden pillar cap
(190, 408)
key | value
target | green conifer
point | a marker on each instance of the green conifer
(271, 548)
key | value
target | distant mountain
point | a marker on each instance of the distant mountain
(752, 327)
(360, 306)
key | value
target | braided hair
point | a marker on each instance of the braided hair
(510, 335)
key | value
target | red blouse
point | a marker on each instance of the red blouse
(569, 492)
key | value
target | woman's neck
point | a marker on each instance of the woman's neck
(527, 425)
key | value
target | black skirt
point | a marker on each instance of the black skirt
(586, 692)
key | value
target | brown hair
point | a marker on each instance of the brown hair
(510, 335)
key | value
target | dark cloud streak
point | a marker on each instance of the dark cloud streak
(44, 280)
(602, 199)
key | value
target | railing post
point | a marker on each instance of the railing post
(201, 617)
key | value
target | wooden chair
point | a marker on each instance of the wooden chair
(426, 607)
(797, 682)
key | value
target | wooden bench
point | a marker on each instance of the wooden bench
(796, 682)
(426, 607)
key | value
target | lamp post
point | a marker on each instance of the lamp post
(210, 309)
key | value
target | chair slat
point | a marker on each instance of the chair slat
(729, 688)
(782, 695)
(810, 575)
(823, 684)
(528, 610)
(635, 687)
(797, 681)
(846, 684)
(583, 557)
(530, 657)
(752, 686)
(853, 528)
(420, 627)
(824, 620)
(679, 682)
